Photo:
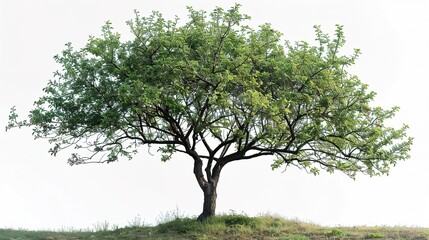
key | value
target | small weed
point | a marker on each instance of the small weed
(336, 233)
(374, 235)
(180, 225)
(271, 231)
(101, 226)
(170, 216)
(295, 238)
(136, 222)
(277, 223)
(234, 220)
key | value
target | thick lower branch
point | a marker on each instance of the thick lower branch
(209, 169)
(198, 172)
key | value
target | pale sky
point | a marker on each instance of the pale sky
(39, 191)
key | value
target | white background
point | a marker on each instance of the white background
(38, 191)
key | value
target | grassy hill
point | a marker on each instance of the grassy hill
(229, 227)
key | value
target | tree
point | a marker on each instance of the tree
(218, 91)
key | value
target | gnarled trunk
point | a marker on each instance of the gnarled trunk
(209, 205)
(208, 185)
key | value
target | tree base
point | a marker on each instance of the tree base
(204, 217)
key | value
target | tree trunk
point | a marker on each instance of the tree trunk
(209, 206)
(208, 185)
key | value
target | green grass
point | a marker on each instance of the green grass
(228, 227)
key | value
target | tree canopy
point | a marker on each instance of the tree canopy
(219, 91)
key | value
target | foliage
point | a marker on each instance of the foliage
(219, 91)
